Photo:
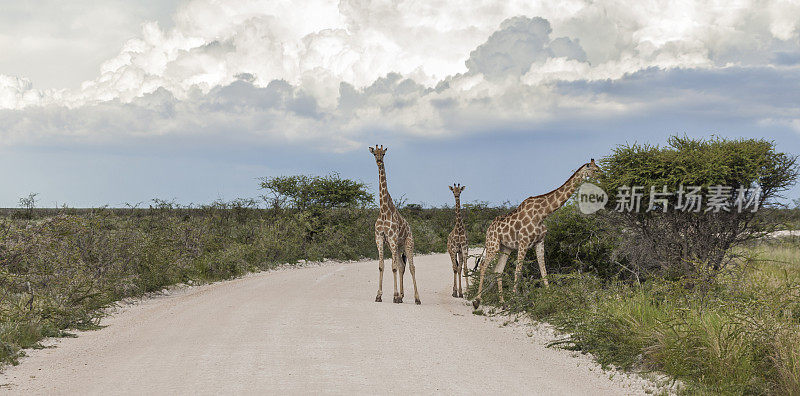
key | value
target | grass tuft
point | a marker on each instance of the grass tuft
(739, 336)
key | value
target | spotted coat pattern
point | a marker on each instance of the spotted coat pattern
(523, 228)
(393, 229)
(457, 244)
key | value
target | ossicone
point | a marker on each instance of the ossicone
(378, 149)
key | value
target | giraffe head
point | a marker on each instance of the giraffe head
(378, 152)
(457, 189)
(589, 170)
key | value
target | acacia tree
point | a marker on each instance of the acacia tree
(312, 192)
(673, 241)
(313, 196)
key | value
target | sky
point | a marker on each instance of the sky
(119, 102)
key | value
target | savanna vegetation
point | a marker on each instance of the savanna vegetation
(701, 297)
(60, 267)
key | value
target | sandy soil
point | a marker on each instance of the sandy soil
(784, 234)
(312, 330)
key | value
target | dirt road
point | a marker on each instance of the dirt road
(310, 330)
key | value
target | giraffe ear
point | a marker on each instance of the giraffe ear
(371, 150)
(451, 188)
(463, 187)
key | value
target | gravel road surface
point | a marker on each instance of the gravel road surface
(308, 330)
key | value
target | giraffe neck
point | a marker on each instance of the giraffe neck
(554, 199)
(385, 198)
(563, 193)
(459, 219)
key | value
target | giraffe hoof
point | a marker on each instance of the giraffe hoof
(476, 303)
(397, 299)
(455, 294)
(460, 295)
(418, 301)
(378, 299)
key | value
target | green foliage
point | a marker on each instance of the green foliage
(686, 161)
(684, 243)
(308, 192)
(432, 226)
(783, 218)
(579, 243)
(738, 337)
(59, 268)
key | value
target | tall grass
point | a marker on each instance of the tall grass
(740, 336)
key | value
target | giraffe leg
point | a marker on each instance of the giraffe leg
(410, 255)
(395, 258)
(457, 273)
(487, 258)
(454, 260)
(518, 270)
(540, 259)
(464, 256)
(379, 242)
(402, 266)
(498, 269)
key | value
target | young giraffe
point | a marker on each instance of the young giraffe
(524, 227)
(394, 229)
(457, 244)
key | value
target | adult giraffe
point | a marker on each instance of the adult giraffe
(523, 228)
(394, 229)
(457, 244)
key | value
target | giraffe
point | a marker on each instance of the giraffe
(394, 229)
(457, 244)
(523, 228)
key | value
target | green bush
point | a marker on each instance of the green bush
(307, 192)
(685, 243)
(580, 243)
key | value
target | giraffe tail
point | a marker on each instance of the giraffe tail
(478, 260)
(405, 259)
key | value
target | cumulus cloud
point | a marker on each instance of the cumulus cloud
(331, 72)
(13, 92)
(60, 44)
(518, 43)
